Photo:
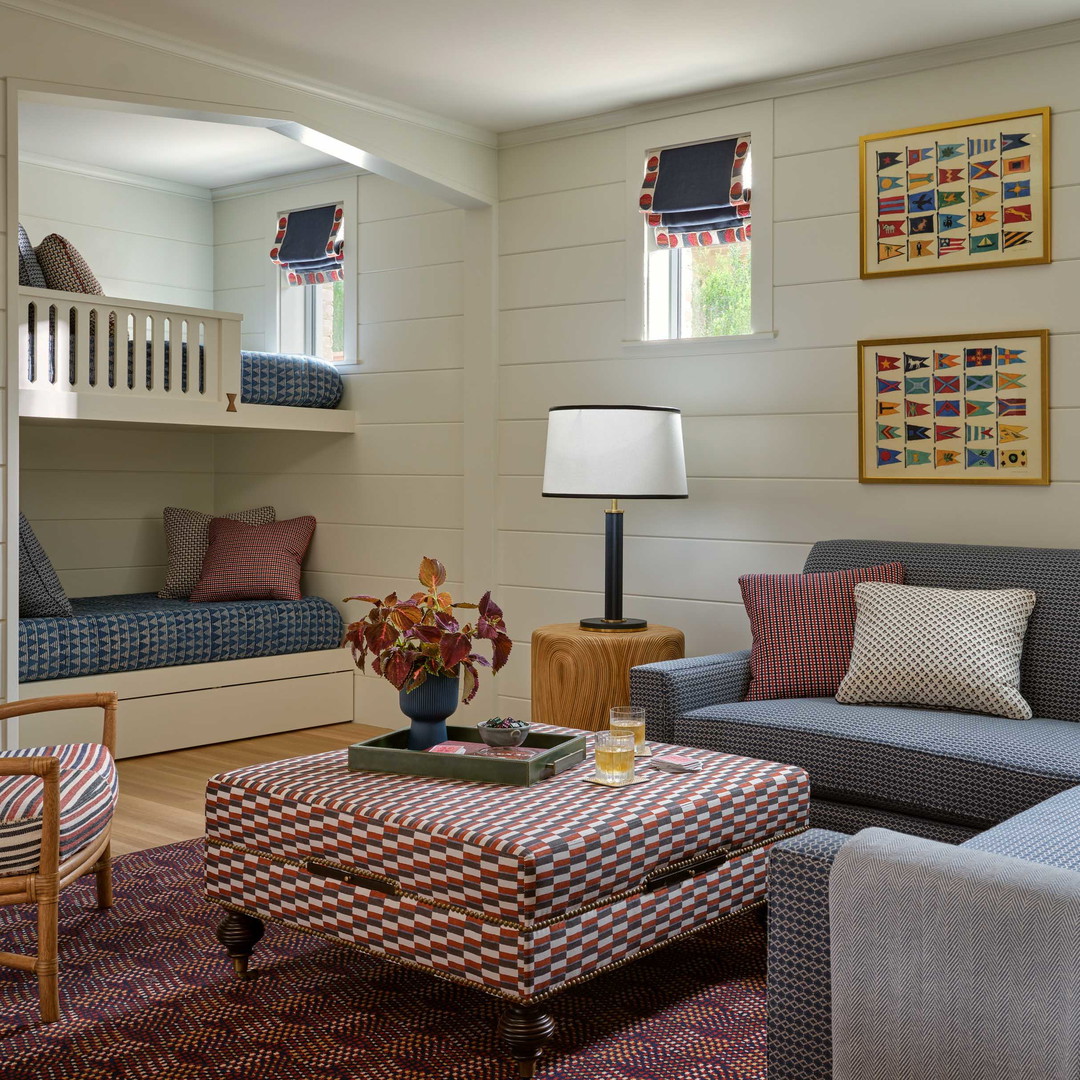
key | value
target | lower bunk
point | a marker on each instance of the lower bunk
(188, 674)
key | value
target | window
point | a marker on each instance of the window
(312, 320)
(698, 256)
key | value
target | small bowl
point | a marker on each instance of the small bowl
(502, 736)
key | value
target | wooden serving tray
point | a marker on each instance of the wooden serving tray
(390, 753)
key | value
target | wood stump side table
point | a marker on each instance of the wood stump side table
(578, 675)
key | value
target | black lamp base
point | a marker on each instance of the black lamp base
(614, 626)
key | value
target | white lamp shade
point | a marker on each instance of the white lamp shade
(614, 452)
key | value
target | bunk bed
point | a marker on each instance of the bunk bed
(101, 359)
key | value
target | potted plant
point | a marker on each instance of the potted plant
(426, 653)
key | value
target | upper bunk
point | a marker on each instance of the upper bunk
(103, 359)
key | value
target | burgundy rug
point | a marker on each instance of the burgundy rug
(146, 991)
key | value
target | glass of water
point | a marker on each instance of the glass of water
(614, 757)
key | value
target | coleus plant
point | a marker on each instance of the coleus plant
(410, 640)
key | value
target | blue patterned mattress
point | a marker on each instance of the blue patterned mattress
(285, 379)
(139, 631)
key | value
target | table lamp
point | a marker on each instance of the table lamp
(614, 452)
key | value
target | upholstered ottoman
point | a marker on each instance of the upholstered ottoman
(518, 892)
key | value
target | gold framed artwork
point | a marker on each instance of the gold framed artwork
(967, 195)
(955, 409)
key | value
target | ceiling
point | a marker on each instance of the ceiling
(504, 64)
(194, 152)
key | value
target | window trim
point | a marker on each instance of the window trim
(756, 118)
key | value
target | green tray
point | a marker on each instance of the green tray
(390, 753)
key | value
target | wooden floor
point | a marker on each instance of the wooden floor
(161, 795)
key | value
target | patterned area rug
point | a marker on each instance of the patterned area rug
(146, 991)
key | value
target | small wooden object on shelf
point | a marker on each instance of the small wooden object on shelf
(578, 675)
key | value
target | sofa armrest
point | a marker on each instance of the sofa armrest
(671, 688)
(799, 977)
(1047, 833)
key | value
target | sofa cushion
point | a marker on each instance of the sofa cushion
(1050, 664)
(946, 766)
(945, 648)
(803, 627)
(1048, 833)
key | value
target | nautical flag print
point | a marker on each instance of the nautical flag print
(1014, 239)
(915, 432)
(918, 249)
(1007, 381)
(888, 408)
(888, 431)
(981, 170)
(978, 382)
(978, 193)
(920, 202)
(947, 407)
(1012, 406)
(949, 176)
(923, 224)
(947, 244)
(947, 222)
(916, 408)
(886, 229)
(916, 457)
(974, 433)
(917, 385)
(889, 251)
(887, 363)
(978, 357)
(950, 198)
(946, 360)
(946, 151)
(887, 457)
(887, 386)
(946, 457)
(1011, 432)
(1009, 356)
(981, 146)
(915, 363)
(1013, 142)
(983, 242)
(1017, 189)
(978, 458)
(915, 156)
(889, 183)
(945, 431)
(917, 180)
(886, 159)
(979, 408)
(890, 204)
(1014, 459)
(982, 218)
(946, 384)
(1018, 165)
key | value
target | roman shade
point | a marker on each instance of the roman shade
(696, 196)
(309, 245)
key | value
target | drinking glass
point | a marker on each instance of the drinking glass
(631, 719)
(614, 757)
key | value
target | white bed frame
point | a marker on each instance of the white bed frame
(146, 326)
(174, 707)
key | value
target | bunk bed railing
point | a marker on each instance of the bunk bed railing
(109, 348)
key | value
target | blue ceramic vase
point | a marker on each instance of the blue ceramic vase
(427, 707)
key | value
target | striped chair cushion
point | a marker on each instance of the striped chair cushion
(254, 562)
(88, 793)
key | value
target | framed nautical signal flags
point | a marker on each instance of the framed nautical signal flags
(955, 409)
(966, 195)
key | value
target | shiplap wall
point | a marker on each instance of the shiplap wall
(94, 495)
(142, 242)
(393, 491)
(770, 431)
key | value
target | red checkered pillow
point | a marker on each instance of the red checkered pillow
(254, 562)
(804, 626)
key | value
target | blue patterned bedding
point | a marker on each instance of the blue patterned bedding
(138, 631)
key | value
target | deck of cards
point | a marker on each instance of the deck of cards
(673, 763)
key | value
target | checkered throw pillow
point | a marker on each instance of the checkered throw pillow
(254, 562)
(942, 648)
(803, 627)
(187, 535)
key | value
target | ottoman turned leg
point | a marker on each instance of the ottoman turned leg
(526, 1029)
(240, 933)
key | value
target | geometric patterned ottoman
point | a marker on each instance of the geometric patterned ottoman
(518, 892)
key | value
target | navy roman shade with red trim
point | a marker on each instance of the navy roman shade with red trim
(309, 245)
(696, 196)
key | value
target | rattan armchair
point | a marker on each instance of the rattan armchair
(42, 886)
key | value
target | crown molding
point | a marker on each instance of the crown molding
(73, 15)
(285, 180)
(1042, 37)
(114, 176)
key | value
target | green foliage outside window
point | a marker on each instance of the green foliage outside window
(720, 293)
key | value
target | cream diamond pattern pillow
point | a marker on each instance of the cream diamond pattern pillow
(943, 648)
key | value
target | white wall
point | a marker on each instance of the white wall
(393, 492)
(143, 241)
(770, 430)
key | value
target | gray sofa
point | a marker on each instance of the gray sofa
(895, 957)
(941, 775)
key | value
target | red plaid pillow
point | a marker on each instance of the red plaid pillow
(804, 626)
(254, 562)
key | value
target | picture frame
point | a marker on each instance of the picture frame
(955, 408)
(964, 195)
